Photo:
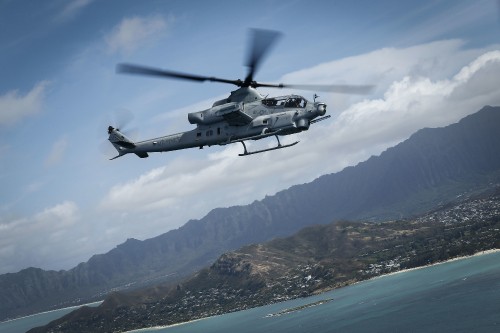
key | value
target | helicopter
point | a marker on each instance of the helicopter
(244, 115)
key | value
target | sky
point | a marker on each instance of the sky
(62, 200)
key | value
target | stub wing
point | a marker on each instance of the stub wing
(237, 118)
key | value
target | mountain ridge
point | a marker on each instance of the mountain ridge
(432, 167)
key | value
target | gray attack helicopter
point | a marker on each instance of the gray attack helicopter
(244, 115)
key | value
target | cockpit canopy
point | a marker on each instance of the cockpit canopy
(292, 101)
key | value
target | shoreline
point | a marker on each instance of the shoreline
(155, 328)
(480, 253)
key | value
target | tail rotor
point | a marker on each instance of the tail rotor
(119, 133)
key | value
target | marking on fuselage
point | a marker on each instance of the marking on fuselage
(169, 140)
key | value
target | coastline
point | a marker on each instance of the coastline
(480, 253)
(155, 328)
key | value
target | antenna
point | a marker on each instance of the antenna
(315, 96)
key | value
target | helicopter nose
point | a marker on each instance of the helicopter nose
(321, 107)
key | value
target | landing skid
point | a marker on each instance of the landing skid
(279, 146)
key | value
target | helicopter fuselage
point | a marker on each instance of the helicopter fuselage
(244, 115)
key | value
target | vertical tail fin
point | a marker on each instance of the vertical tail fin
(121, 143)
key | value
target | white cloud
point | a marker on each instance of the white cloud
(71, 9)
(57, 152)
(433, 60)
(14, 107)
(415, 102)
(130, 33)
(63, 214)
(37, 240)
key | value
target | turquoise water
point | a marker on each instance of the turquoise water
(459, 296)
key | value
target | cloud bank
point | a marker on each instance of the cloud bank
(39, 239)
(133, 32)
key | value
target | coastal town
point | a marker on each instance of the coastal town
(466, 211)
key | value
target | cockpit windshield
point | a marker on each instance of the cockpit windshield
(285, 101)
(295, 102)
(275, 101)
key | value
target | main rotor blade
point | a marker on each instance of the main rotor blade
(336, 88)
(262, 40)
(143, 70)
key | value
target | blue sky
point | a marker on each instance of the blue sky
(61, 200)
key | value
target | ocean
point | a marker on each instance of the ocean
(457, 296)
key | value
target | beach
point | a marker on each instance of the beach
(480, 253)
